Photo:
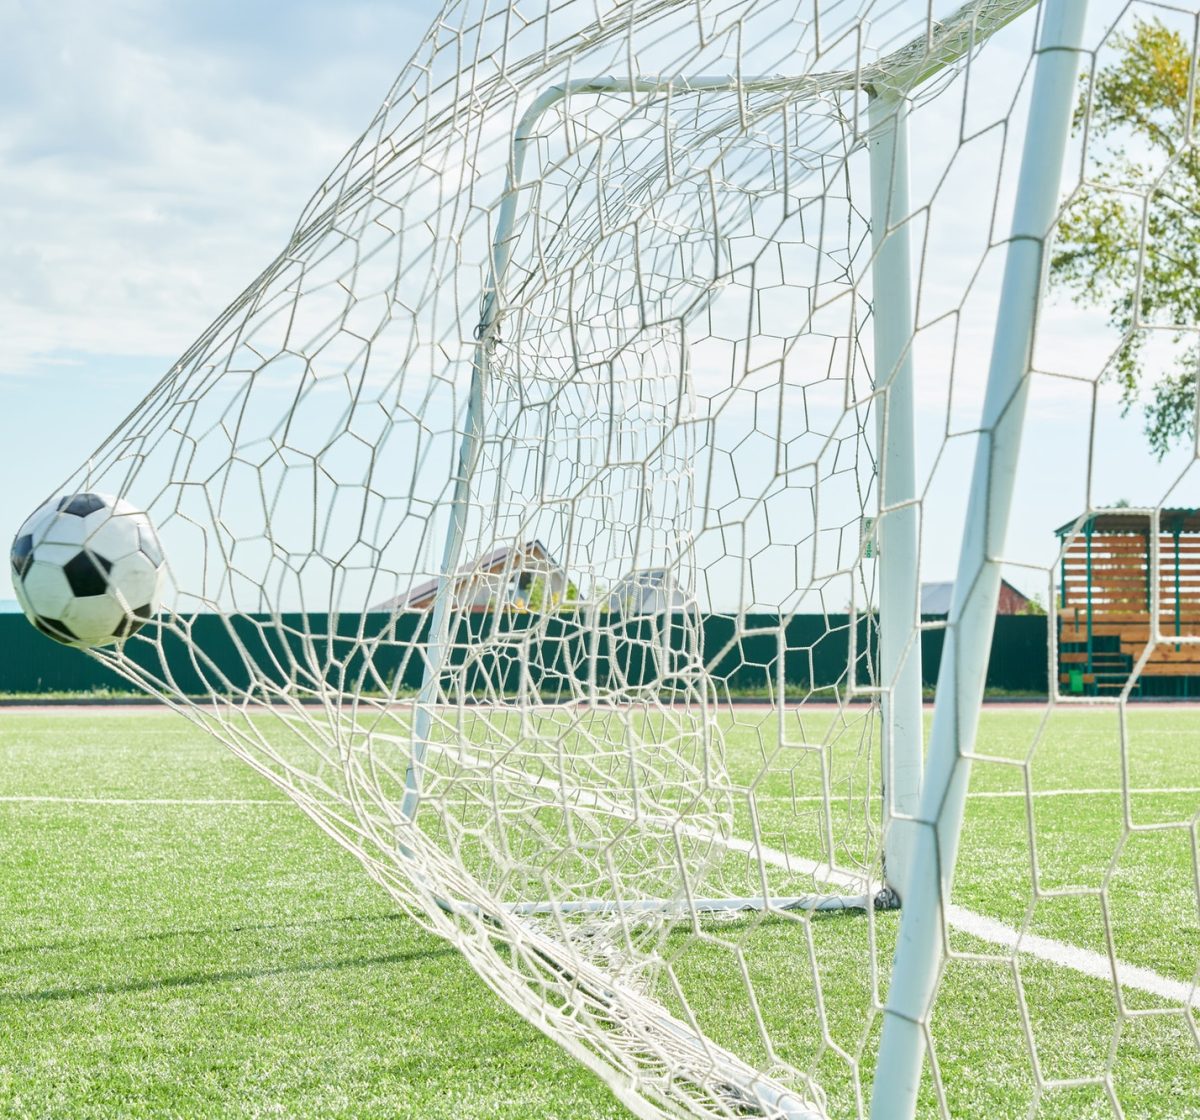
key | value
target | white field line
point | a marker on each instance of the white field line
(1149, 790)
(783, 798)
(39, 799)
(778, 798)
(1084, 961)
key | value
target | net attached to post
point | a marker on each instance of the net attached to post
(522, 518)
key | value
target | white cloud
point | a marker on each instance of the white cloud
(154, 157)
(149, 177)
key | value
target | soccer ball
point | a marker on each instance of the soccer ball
(88, 569)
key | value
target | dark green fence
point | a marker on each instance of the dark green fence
(1018, 661)
(750, 654)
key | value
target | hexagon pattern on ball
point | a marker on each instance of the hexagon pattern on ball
(22, 555)
(88, 569)
(80, 505)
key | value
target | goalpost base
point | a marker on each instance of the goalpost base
(884, 899)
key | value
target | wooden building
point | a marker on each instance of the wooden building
(1111, 565)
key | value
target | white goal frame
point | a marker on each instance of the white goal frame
(887, 83)
(923, 799)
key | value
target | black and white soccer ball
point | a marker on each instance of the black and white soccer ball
(88, 569)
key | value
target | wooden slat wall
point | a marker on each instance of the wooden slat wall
(1120, 571)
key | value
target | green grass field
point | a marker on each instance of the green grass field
(178, 940)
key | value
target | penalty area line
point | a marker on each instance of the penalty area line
(1004, 794)
(1088, 963)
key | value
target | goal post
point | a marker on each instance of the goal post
(898, 524)
(888, 84)
(921, 945)
(548, 521)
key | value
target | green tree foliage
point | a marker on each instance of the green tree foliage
(1143, 189)
(539, 600)
(1034, 606)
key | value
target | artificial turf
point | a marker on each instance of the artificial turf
(178, 940)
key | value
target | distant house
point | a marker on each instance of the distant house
(645, 592)
(507, 577)
(935, 599)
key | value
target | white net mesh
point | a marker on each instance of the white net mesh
(521, 516)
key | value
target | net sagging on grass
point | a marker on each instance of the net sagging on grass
(569, 356)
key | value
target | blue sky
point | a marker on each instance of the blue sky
(154, 156)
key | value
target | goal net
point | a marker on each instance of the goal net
(548, 519)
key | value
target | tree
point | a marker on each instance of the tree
(1033, 605)
(1144, 168)
(541, 599)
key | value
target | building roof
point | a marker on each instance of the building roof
(644, 577)
(1135, 521)
(936, 597)
(496, 560)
